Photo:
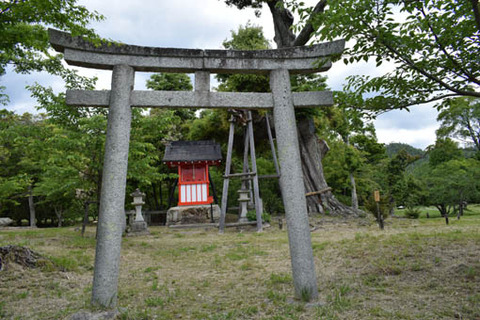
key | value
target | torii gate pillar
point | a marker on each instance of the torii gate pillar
(112, 199)
(293, 189)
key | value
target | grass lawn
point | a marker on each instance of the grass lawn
(414, 269)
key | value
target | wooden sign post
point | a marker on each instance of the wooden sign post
(376, 196)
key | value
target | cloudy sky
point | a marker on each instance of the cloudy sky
(205, 25)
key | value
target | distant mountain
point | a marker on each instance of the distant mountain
(394, 147)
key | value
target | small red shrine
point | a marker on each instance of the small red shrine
(193, 159)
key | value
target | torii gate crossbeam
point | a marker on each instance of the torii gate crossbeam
(124, 60)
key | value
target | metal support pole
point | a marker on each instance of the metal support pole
(111, 218)
(293, 189)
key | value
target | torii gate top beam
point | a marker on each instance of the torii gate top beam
(79, 52)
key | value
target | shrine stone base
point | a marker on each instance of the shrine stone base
(192, 214)
(138, 228)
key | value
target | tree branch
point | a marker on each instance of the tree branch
(476, 13)
(473, 134)
(308, 29)
(423, 72)
(282, 21)
(9, 6)
(418, 102)
(409, 62)
(466, 75)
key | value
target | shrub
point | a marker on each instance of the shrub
(383, 206)
(412, 213)
(252, 216)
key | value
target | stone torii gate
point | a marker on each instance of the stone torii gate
(125, 60)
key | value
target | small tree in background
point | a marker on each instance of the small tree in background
(380, 210)
(460, 118)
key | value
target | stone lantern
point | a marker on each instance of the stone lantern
(243, 201)
(139, 226)
(138, 202)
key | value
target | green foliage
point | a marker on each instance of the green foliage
(383, 206)
(412, 213)
(354, 150)
(402, 189)
(252, 216)
(434, 45)
(22, 140)
(460, 118)
(392, 149)
(444, 150)
(452, 182)
(169, 82)
(23, 25)
(60, 153)
(270, 188)
(248, 37)
(211, 124)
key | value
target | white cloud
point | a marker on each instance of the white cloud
(418, 117)
(419, 138)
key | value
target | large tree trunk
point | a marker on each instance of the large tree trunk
(312, 148)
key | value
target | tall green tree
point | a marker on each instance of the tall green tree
(398, 183)
(460, 118)
(23, 26)
(352, 125)
(21, 138)
(248, 37)
(451, 184)
(442, 151)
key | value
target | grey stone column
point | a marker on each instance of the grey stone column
(293, 190)
(111, 220)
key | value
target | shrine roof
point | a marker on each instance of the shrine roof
(205, 150)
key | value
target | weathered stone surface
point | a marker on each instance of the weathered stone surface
(192, 214)
(202, 81)
(204, 99)
(296, 59)
(5, 222)
(62, 40)
(293, 190)
(138, 228)
(102, 315)
(111, 220)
